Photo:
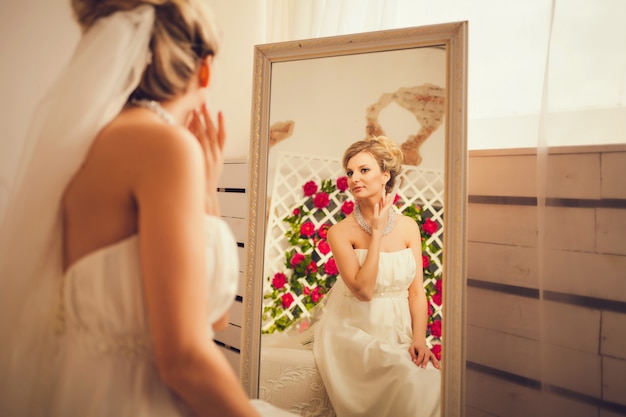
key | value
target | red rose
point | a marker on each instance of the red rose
(342, 183)
(430, 226)
(306, 291)
(296, 259)
(438, 285)
(437, 351)
(309, 188)
(307, 229)
(286, 300)
(347, 207)
(317, 294)
(435, 328)
(396, 198)
(323, 247)
(296, 211)
(323, 230)
(437, 298)
(279, 280)
(330, 267)
(425, 261)
(311, 267)
(321, 200)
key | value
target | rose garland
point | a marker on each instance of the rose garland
(310, 270)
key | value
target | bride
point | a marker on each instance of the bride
(116, 267)
(370, 342)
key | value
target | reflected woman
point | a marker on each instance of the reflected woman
(370, 344)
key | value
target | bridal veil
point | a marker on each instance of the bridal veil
(105, 68)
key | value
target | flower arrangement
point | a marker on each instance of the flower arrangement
(310, 270)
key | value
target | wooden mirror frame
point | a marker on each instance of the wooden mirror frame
(452, 36)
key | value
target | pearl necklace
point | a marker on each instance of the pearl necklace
(366, 227)
(155, 107)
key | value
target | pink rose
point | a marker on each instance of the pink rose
(286, 300)
(306, 291)
(296, 211)
(347, 207)
(342, 183)
(435, 328)
(323, 247)
(437, 298)
(321, 200)
(437, 351)
(317, 294)
(309, 188)
(425, 261)
(323, 230)
(330, 267)
(307, 229)
(438, 286)
(430, 226)
(297, 259)
(279, 280)
(311, 268)
(396, 198)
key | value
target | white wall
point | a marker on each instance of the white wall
(37, 37)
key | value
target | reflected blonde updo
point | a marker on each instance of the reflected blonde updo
(387, 154)
(184, 33)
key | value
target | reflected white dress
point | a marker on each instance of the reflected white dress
(106, 366)
(361, 348)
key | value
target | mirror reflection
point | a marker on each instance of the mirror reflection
(312, 99)
(318, 107)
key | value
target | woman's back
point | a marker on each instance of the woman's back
(100, 205)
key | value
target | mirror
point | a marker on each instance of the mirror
(311, 100)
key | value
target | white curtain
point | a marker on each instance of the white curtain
(290, 20)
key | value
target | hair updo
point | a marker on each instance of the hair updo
(184, 33)
(387, 154)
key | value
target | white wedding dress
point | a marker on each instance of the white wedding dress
(362, 348)
(105, 363)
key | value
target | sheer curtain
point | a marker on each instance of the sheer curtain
(547, 76)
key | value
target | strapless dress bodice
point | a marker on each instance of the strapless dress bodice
(103, 304)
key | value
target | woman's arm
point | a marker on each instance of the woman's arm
(360, 279)
(418, 304)
(171, 196)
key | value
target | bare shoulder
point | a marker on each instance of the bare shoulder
(341, 227)
(407, 223)
(140, 135)
(142, 146)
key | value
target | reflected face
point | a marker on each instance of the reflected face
(365, 178)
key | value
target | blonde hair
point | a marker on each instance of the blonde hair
(387, 154)
(184, 33)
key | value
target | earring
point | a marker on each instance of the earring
(384, 193)
(204, 74)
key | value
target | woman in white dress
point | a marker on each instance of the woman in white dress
(370, 343)
(124, 248)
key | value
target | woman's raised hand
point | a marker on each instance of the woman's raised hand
(381, 209)
(212, 141)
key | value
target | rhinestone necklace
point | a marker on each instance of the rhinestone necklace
(155, 107)
(368, 229)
